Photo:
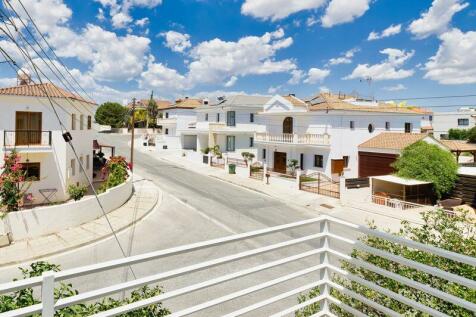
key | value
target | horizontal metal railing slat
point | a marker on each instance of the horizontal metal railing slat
(347, 308)
(299, 306)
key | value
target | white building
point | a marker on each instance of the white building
(174, 121)
(464, 118)
(324, 133)
(230, 123)
(29, 125)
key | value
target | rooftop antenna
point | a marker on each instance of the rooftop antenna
(368, 80)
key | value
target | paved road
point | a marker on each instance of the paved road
(194, 208)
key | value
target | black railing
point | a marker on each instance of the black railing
(26, 138)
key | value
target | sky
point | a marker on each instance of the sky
(386, 49)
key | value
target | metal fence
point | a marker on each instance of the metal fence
(322, 243)
(256, 172)
(218, 162)
(320, 184)
(238, 162)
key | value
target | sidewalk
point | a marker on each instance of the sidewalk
(358, 213)
(145, 198)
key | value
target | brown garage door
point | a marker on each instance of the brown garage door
(374, 164)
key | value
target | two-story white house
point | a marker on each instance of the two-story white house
(463, 118)
(229, 123)
(174, 121)
(323, 134)
(29, 125)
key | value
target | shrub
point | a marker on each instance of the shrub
(293, 164)
(458, 134)
(428, 162)
(12, 182)
(111, 113)
(216, 151)
(248, 156)
(205, 150)
(26, 297)
(453, 233)
(77, 192)
(115, 172)
(472, 135)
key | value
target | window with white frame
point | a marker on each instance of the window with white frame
(387, 125)
(352, 125)
(318, 161)
(230, 118)
(87, 161)
(463, 121)
(73, 167)
(230, 143)
(81, 122)
(73, 121)
(408, 127)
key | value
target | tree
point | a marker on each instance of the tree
(12, 182)
(27, 297)
(111, 113)
(454, 233)
(458, 134)
(472, 135)
(428, 162)
(152, 111)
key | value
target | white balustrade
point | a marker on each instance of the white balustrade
(290, 138)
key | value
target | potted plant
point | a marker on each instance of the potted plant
(77, 192)
(293, 164)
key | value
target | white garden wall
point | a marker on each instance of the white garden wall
(31, 223)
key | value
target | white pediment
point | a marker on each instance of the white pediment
(279, 104)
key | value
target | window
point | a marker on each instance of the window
(288, 125)
(264, 154)
(430, 118)
(318, 161)
(32, 171)
(408, 127)
(371, 128)
(387, 125)
(81, 162)
(166, 115)
(73, 167)
(73, 121)
(166, 131)
(90, 124)
(81, 122)
(352, 125)
(206, 116)
(87, 161)
(252, 117)
(218, 117)
(252, 142)
(463, 121)
(230, 118)
(301, 161)
(346, 161)
(230, 143)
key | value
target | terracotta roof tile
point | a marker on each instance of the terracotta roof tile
(42, 90)
(295, 101)
(456, 145)
(327, 101)
(393, 140)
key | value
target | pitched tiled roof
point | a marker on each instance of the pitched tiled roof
(456, 145)
(186, 103)
(327, 102)
(393, 140)
(295, 101)
(244, 101)
(42, 90)
(142, 104)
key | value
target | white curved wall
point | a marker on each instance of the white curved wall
(46, 220)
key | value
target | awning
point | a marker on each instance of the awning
(400, 180)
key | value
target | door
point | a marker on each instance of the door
(27, 128)
(280, 162)
(288, 125)
(337, 167)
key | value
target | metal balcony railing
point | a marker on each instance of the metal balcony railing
(293, 138)
(317, 249)
(26, 138)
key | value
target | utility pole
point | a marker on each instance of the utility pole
(132, 133)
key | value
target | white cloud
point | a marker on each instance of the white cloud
(310, 21)
(47, 14)
(231, 82)
(142, 22)
(100, 16)
(345, 58)
(454, 63)
(437, 19)
(120, 10)
(277, 9)
(8, 82)
(390, 31)
(397, 87)
(121, 20)
(297, 76)
(390, 68)
(176, 41)
(344, 11)
(160, 76)
(315, 75)
(274, 89)
(216, 60)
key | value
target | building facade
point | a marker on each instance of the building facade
(464, 118)
(29, 125)
(324, 133)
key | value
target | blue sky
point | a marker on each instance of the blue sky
(120, 49)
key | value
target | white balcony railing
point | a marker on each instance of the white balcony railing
(293, 138)
(30, 138)
(310, 251)
(395, 203)
(167, 121)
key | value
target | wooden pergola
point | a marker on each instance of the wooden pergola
(458, 147)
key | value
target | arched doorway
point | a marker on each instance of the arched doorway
(288, 125)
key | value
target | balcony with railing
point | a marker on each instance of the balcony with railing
(167, 121)
(262, 272)
(293, 138)
(27, 139)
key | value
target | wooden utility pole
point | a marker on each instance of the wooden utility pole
(132, 132)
